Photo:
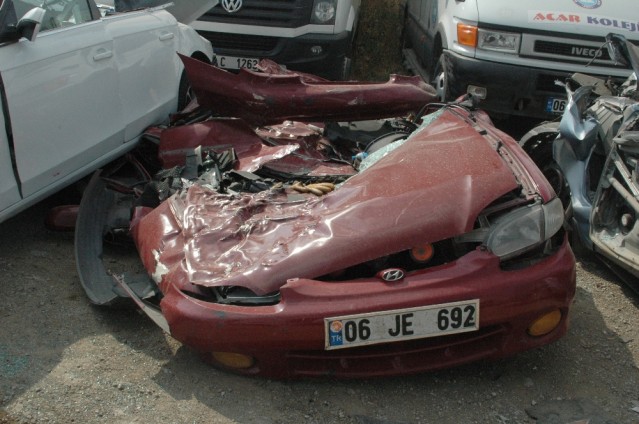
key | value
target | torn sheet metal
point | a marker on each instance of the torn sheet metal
(291, 147)
(261, 98)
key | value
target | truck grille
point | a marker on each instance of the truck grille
(563, 49)
(247, 43)
(276, 13)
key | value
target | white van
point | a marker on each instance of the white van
(510, 53)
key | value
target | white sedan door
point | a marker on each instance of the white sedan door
(62, 97)
(145, 44)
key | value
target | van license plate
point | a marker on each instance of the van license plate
(555, 105)
(232, 62)
(401, 324)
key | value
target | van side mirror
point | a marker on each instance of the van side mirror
(29, 25)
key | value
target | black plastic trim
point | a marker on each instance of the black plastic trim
(9, 130)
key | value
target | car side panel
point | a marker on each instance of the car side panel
(63, 102)
(145, 45)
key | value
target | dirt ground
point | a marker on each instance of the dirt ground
(63, 360)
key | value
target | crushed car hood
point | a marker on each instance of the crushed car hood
(432, 187)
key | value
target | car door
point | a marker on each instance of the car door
(61, 96)
(148, 66)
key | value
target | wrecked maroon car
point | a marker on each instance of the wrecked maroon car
(294, 227)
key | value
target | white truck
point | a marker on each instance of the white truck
(511, 53)
(314, 36)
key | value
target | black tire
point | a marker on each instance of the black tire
(185, 92)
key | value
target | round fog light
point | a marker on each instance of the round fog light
(479, 92)
(233, 360)
(423, 253)
(317, 50)
(545, 323)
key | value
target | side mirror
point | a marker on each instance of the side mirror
(29, 25)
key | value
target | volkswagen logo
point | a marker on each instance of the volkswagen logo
(391, 275)
(232, 6)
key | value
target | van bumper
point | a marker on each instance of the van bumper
(511, 90)
(297, 53)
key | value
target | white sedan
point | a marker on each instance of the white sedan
(80, 82)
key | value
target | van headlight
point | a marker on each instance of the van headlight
(505, 42)
(324, 12)
(525, 228)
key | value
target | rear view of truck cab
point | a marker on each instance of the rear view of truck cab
(510, 54)
(314, 36)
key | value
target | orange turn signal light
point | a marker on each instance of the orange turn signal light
(545, 323)
(233, 360)
(467, 35)
(423, 253)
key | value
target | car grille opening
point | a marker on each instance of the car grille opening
(275, 13)
(245, 42)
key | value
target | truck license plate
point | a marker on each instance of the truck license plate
(401, 324)
(555, 105)
(232, 62)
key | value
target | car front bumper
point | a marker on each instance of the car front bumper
(287, 340)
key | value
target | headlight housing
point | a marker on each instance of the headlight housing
(324, 12)
(505, 42)
(525, 228)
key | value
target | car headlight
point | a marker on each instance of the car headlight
(505, 42)
(525, 228)
(324, 12)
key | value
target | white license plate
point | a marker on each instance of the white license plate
(401, 324)
(232, 62)
(555, 105)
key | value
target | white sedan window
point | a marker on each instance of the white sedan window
(64, 13)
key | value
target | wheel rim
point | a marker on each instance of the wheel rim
(440, 82)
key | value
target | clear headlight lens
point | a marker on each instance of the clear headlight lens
(525, 228)
(505, 42)
(323, 12)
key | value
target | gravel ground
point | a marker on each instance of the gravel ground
(63, 360)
